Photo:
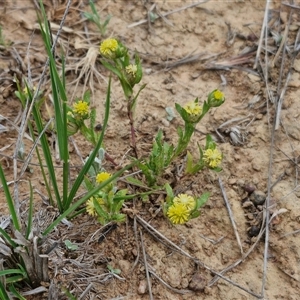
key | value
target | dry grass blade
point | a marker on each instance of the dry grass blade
(168, 13)
(146, 267)
(237, 236)
(88, 71)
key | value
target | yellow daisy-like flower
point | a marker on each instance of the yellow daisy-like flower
(185, 199)
(193, 108)
(178, 213)
(212, 157)
(108, 47)
(218, 95)
(102, 177)
(131, 70)
(90, 207)
(81, 108)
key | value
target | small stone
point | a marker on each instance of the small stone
(296, 65)
(125, 266)
(165, 122)
(232, 181)
(142, 289)
(254, 78)
(258, 198)
(294, 81)
(256, 166)
(249, 188)
(250, 216)
(148, 71)
(253, 231)
(198, 282)
(247, 204)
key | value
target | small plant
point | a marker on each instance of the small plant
(116, 59)
(95, 18)
(2, 38)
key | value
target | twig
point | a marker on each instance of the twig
(289, 233)
(167, 13)
(183, 292)
(146, 267)
(157, 234)
(231, 216)
(137, 244)
(265, 22)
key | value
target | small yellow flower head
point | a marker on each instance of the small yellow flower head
(178, 213)
(216, 98)
(102, 177)
(109, 47)
(90, 207)
(187, 200)
(81, 108)
(131, 70)
(212, 157)
(25, 90)
(194, 110)
(218, 95)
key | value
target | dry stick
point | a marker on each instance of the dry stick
(262, 34)
(30, 154)
(146, 267)
(267, 203)
(168, 13)
(280, 101)
(183, 292)
(173, 246)
(137, 244)
(231, 216)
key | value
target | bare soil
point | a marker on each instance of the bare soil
(213, 36)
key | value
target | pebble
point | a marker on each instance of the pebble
(258, 198)
(256, 166)
(142, 289)
(125, 266)
(294, 81)
(253, 231)
(198, 283)
(165, 122)
(254, 78)
(249, 188)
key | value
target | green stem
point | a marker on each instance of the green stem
(184, 140)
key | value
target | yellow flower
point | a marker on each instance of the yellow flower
(25, 90)
(187, 200)
(102, 177)
(193, 109)
(212, 157)
(108, 48)
(81, 108)
(178, 213)
(131, 70)
(218, 95)
(90, 207)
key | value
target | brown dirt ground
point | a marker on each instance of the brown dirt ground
(200, 30)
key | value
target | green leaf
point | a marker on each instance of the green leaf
(70, 245)
(30, 213)
(9, 200)
(112, 270)
(202, 200)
